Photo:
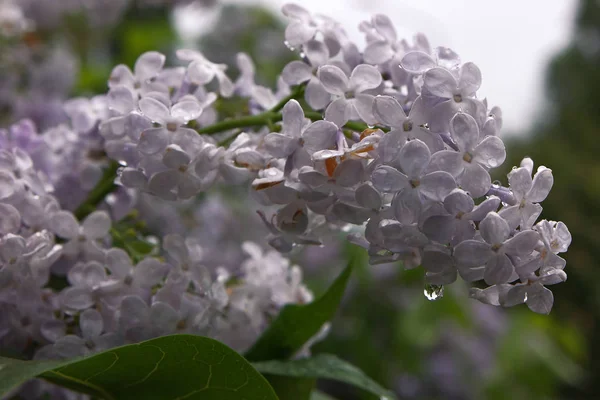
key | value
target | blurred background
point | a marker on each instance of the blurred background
(541, 64)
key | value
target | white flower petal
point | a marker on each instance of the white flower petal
(440, 82)
(388, 111)
(364, 77)
(437, 185)
(469, 79)
(414, 158)
(368, 197)
(417, 62)
(186, 110)
(490, 152)
(498, 270)
(540, 300)
(464, 131)
(542, 183)
(475, 180)
(154, 109)
(296, 72)
(153, 140)
(64, 224)
(91, 324)
(494, 229)
(388, 179)
(472, 253)
(319, 135)
(96, 225)
(333, 79)
(315, 94)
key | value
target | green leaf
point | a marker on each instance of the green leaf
(318, 395)
(171, 367)
(296, 324)
(325, 366)
(289, 388)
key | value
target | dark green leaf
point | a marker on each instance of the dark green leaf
(317, 395)
(325, 366)
(296, 324)
(170, 367)
(288, 388)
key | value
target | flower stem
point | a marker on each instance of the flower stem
(105, 186)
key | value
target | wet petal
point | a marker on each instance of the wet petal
(498, 270)
(296, 72)
(186, 110)
(542, 183)
(414, 158)
(364, 77)
(494, 229)
(64, 224)
(154, 109)
(475, 180)
(490, 152)
(315, 94)
(339, 111)
(96, 225)
(520, 182)
(319, 135)
(333, 79)
(91, 324)
(153, 140)
(368, 197)
(469, 79)
(464, 131)
(388, 179)
(417, 62)
(440, 82)
(316, 52)
(472, 253)
(437, 185)
(388, 111)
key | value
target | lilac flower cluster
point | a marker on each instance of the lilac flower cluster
(417, 174)
(109, 300)
(390, 142)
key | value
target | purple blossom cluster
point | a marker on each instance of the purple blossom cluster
(390, 143)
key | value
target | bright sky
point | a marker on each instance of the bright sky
(510, 40)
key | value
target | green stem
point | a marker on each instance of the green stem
(105, 186)
(296, 92)
(242, 122)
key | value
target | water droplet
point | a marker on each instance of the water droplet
(346, 228)
(122, 163)
(433, 292)
(302, 54)
(497, 183)
(289, 46)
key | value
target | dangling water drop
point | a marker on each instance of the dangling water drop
(497, 183)
(433, 292)
(289, 46)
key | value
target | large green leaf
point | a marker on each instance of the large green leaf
(325, 366)
(289, 388)
(296, 324)
(171, 367)
(317, 395)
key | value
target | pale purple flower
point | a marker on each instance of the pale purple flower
(490, 259)
(475, 155)
(352, 102)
